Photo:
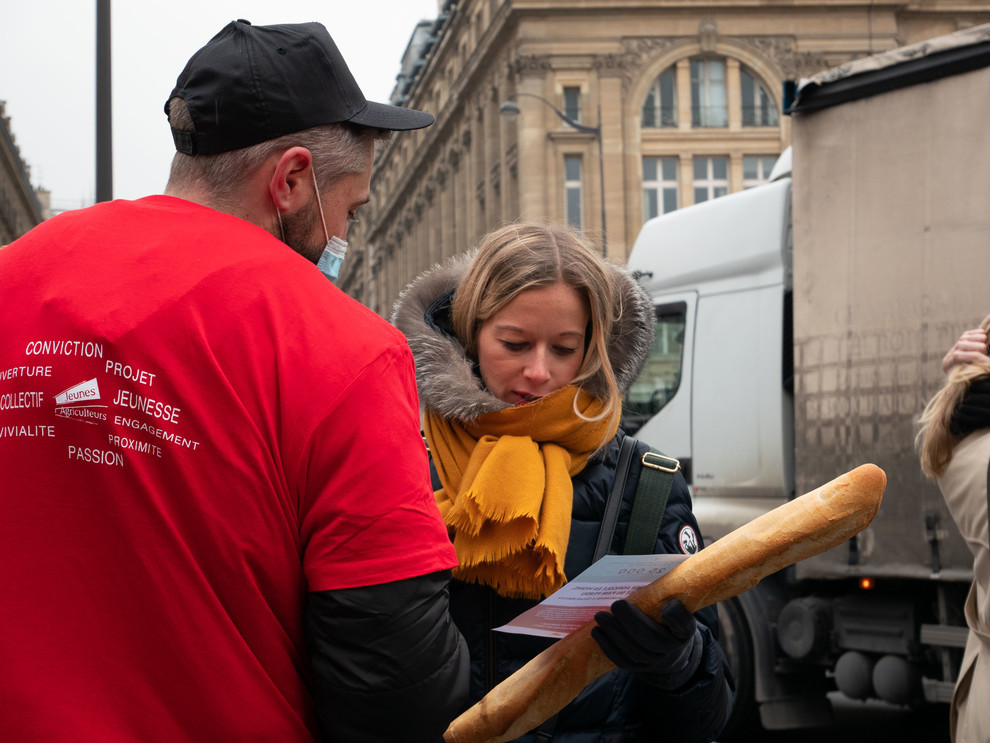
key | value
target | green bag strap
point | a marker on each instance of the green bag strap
(652, 492)
(607, 530)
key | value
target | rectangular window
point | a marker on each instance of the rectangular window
(708, 100)
(572, 104)
(711, 178)
(756, 169)
(573, 195)
(659, 186)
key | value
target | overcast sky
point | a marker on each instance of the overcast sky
(48, 71)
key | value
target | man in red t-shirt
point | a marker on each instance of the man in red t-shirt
(216, 520)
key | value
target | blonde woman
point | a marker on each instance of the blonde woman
(954, 443)
(523, 349)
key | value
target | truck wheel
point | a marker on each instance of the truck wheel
(737, 643)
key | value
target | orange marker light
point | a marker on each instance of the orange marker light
(866, 583)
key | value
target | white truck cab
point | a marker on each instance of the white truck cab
(720, 277)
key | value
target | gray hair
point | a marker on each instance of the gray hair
(337, 149)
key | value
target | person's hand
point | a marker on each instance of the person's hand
(669, 651)
(971, 347)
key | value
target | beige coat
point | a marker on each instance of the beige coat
(964, 486)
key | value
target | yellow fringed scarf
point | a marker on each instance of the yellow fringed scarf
(507, 491)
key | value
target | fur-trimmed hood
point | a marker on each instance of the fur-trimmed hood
(445, 375)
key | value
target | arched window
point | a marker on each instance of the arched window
(758, 107)
(660, 106)
(718, 150)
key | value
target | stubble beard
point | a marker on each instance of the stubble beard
(297, 230)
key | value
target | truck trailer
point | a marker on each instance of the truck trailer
(800, 330)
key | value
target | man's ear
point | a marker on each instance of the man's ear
(292, 182)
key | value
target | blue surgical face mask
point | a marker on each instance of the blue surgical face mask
(332, 257)
(333, 253)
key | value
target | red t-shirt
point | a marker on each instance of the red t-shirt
(196, 428)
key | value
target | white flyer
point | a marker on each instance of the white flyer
(575, 604)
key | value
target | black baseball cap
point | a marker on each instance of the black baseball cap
(250, 84)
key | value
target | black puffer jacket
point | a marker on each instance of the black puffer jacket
(619, 706)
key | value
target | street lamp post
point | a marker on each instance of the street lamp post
(104, 119)
(511, 108)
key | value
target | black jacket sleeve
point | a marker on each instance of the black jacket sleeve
(699, 710)
(389, 664)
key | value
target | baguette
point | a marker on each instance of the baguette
(801, 528)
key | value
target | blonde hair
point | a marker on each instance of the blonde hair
(337, 149)
(523, 256)
(935, 440)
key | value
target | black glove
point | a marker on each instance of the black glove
(669, 652)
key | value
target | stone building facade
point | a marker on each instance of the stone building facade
(21, 207)
(675, 101)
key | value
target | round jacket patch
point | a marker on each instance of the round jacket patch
(688, 540)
